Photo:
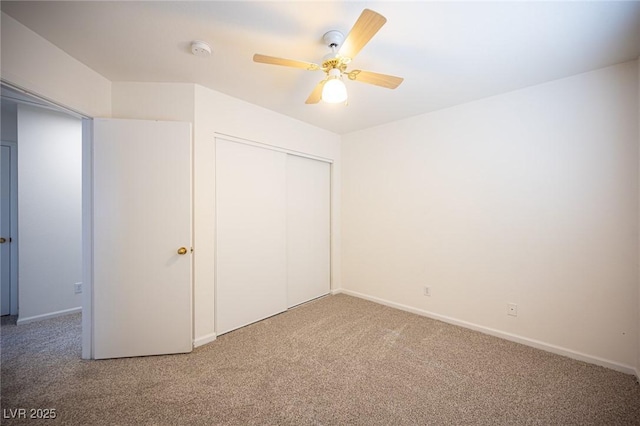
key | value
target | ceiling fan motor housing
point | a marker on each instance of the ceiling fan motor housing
(333, 38)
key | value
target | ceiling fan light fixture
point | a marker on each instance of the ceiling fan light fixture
(334, 91)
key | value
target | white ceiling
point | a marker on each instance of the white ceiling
(448, 52)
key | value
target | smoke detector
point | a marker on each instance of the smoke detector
(200, 48)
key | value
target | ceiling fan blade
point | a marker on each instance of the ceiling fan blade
(363, 30)
(383, 80)
(316, 95)
(264, 59)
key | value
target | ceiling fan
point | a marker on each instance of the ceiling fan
(343, 50)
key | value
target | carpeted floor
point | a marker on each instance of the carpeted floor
(336, 361)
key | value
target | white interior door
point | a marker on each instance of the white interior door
(142, 217)
(250, 234)
(5, 229)
(308, 229)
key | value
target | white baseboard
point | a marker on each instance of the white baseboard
(35, 318)
(501, 334)
(336, 291)
(200, 341)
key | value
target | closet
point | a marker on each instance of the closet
(272, 232)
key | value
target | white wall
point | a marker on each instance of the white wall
(530, 197)
(153, 101)
(212, 112)
(49, 212)
(34, 64)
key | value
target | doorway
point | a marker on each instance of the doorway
(41, 208)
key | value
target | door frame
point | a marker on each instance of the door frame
(87, 238)
(13, 217)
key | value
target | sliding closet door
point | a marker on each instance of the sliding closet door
(251, 239)
(308, 229)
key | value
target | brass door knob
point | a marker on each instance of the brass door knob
(3, 240)
(182, 250)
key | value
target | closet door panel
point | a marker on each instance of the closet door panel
(308, 229)
(251, 239)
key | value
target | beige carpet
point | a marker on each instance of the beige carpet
(336, 361)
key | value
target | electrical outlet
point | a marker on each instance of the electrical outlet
(77, 288)
(427, 291)
(512, 309)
